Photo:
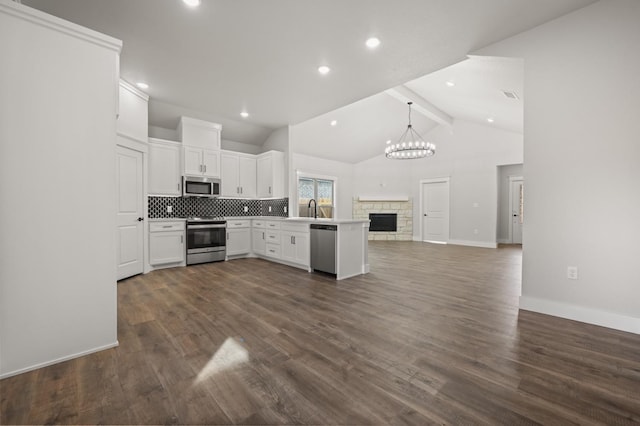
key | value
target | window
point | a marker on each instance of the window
(320, 189)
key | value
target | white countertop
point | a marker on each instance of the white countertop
(278, 218)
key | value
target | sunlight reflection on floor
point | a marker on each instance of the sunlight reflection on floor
(229, 355)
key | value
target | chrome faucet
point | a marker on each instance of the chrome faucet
(315, 208)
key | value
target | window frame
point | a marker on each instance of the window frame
(315, 176)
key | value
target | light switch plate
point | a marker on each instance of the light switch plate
(245, 209)
(269, 209)
(169, 209)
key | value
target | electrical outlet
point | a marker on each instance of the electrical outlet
(169, 209)
(285, 209)
(245, 209)
(572, 272)
(269, 209)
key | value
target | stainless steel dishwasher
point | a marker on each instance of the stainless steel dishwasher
(323, 247)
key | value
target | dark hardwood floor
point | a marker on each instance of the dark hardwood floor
(431, 336)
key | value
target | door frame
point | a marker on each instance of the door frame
(512, 179)
(136, 145)
(444, 179)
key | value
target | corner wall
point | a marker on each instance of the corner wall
(582, 163)
(59, 85)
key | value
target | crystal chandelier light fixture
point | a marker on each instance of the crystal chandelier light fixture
(410, 145)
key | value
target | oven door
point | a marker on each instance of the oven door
(203, 238)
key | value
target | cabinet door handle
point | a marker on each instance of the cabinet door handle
(205, 168)
(237, 189)
(241, 190)
(178, 186)
(263, 235)
(293, 240)
(181, 239)
(269, 190)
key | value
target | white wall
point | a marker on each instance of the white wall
(504, 209)
(582, 163)
(278, 140)
(240, 147)
(57, 180)
(468, 153)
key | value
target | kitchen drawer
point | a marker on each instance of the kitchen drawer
(273, 250)
(166, 226)
(273, 237)
(295, 227)
(272, 225)
(238, 223)
(258, 223)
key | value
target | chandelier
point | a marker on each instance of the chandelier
(410, 145)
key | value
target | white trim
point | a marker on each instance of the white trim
(581, 313)
(127, 141)
(483, 244)
(42, 19)
(131, 88)
(58, 360)
(383, 198)
(445, 179)
(503, 241)
(189, 121)
(510, 213)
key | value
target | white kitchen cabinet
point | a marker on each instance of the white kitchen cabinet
(133, 113)
(272, 239)
(238, 237)
(201, 162)
(166, 243)
(199, 134)
(294, 243)
(270, 175)
(238, 174)
(164, 168)
(258, 237)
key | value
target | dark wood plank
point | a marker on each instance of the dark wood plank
(432, 335)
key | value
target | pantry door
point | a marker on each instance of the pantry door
(130, 213)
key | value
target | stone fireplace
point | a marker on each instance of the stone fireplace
(402, 207)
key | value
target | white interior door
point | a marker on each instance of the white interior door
(435, 211)
(130, 213)
(516, 197)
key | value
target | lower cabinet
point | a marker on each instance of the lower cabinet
(238, 237)
(259, 244)
(295, 243)
(166, 243)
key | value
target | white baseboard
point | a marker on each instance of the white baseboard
(484, 244)
(582, 314)
(56, 361)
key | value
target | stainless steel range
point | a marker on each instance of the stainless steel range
(206, 239)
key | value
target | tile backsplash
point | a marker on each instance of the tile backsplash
(185, 207)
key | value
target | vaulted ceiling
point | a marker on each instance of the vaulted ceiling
(226, 56)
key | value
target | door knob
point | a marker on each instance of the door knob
(140, 219)
(425, 214)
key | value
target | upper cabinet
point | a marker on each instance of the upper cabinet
(199, 133)
(270, 175)
(133, 113)
(201, 162)
(164, 168)
(238, 174)
(201, 147)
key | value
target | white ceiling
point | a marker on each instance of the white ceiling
(262, 56)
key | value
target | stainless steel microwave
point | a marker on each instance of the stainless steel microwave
(200, 187)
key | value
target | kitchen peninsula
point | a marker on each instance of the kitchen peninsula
(278, 239)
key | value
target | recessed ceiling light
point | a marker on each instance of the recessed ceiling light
(244, 114)
(450, 83)
(323, 69)
(142, 85)
(373, 42)
(389, 141)
(491, 119)
(192, 3)
(334, 122)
